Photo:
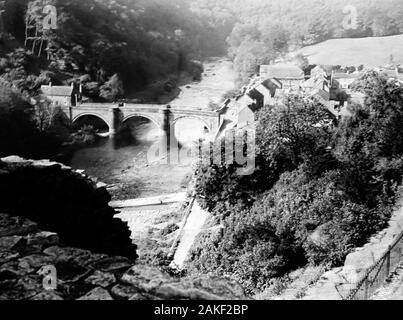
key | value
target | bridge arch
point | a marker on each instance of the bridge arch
(202, 120)
(92, 114)
(140, 115)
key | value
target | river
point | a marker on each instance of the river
(126, 168)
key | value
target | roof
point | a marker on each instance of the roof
(62, 91)
(282, 71)
(355, 75)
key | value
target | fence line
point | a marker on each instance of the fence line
(376, 275)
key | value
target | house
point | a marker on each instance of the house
(288, 76)
(344, 80)
(246, 116)
(319, 80)
(389, 73)
(62, 95)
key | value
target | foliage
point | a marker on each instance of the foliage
(22, 132)
(278, 25)
(327, 187)
(142, 42)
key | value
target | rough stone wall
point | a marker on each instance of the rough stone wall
(64, 201)
(26, 252)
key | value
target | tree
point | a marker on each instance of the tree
(112, 89)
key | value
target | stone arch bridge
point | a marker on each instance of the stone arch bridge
(163, 116)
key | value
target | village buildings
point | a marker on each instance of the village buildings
(334, 90)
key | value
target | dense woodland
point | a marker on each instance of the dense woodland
(113, 48)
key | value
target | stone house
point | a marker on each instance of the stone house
(344, 80)
(63, 96)
(288, 76)
(247, 116)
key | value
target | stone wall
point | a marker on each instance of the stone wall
(26, 253)
(336, 283)
(64, 201)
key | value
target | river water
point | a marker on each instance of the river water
(128, 170)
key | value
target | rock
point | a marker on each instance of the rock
(14, 226)
(153, 282)
(42, 240)
(97, 294)
(174, 292)
(47, 295)
(31, 285)
(8, 256)
(8, 274)
(12, 267)
(70, 272)
(101, 279)
(112, 264)
(224, 288)
(78, 256)
(124, 292)
(34, 262)
(14, 243)
(144, 277)
(140, 297)
(40, 189)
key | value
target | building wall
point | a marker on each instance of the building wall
(245, 117)
(291, 84)
(60, 101)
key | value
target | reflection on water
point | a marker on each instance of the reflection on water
(130, 146)
(187, 131)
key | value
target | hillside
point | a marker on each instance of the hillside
(115, 48)
(371, 52)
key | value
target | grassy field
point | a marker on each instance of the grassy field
(371, 52)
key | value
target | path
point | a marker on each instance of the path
(193, 226)
(151, 201)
